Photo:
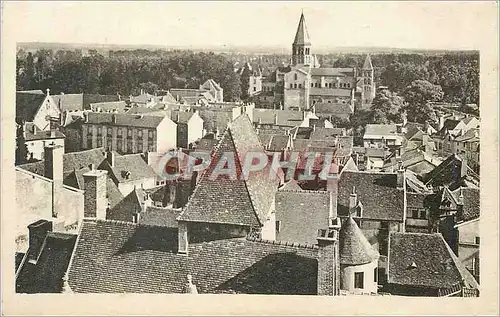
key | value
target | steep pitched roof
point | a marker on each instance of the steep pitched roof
(291, 185)
(354, 248)
(233, 201)
(45, 276)
(471, 202)
(435, 264)
(120, 257)
(41, 135)
(132, 163)
(380, 129)
(157, 216)
(283, 117)
(181, 116)
(302, 36)
(110, 106)
(377, 191)
(27, 105)
(302, 213)
(69, 102)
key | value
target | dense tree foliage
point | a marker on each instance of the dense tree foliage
(387, 107)
(124, 72)
(419, 96)
(456, 72)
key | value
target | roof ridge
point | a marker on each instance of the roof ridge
(305, 191)
(283, 243)
(120, 222)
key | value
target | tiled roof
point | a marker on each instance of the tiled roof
(449, 172)
(470, 134)
(206, 145)
(302, 213)
(338, 92)
(140, 121)
(69, 102)
(144, 98)
(471, 207)
(233, 201)
(278, 143)
(424, 260)
(128, 207)
(119, 257)
(132, 163)
(265, 139)
(284, 117)
(27, 105)
(333, 108)
(354, 248)
(326, 133)
(325, 71)
(118, 106)
(41, 135)
(181, 116)
(46, 275)
(71, 161)
(291, 185)
(157, 216)
(381, 129)
(377, 192)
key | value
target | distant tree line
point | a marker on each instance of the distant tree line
(124, 72)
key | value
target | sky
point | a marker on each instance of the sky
(420, 25)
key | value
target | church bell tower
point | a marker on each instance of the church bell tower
(301, 47)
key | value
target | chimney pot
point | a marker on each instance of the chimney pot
(48, 92)
(37, 233)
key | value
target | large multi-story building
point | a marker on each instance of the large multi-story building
(304, 84)
(128, 134)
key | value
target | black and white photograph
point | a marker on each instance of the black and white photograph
(325, 149)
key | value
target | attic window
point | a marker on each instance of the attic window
(413, 265)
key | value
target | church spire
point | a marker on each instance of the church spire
(368, 63)
(302, 36)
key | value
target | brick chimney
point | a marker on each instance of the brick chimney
(95, 201)
(110, 157)
(183, 242)
(400, 182)
(328, 262)
(37, 233)
(53, 169)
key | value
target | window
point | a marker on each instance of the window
(139, 133)
(312, 85)
(150, 134)
(129, 132)
(110, 132)
(291, 86)
(375, 275)
(119, 132)
(99, 142)
(254, 88)
(119, 146)
(278, 226)
(477, 240)
(295, 76)
(294, 85)
(423, 214)
(414, 214)
(99, 130)
(300, 85)
(359, 279)
(129, 146)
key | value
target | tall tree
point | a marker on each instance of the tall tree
(386, 108)
(418, 97)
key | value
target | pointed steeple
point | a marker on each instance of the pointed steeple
(302, 36)
(368, 63)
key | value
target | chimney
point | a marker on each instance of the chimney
(353, 199)
(328, 282)
(119, 96)
(95, 201)
(52, 133)
(400, 181)
(53, 169)
(113, 118)
(48, 92)
(110, 157)
(183, 242)
(130, 98)
(441, 121)
(190, 287)
(314, 127)
(34, 129)
(276, 119)
(142, 91)
(463, 167)
(37, 233)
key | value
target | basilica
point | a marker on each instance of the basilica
(304, 84)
